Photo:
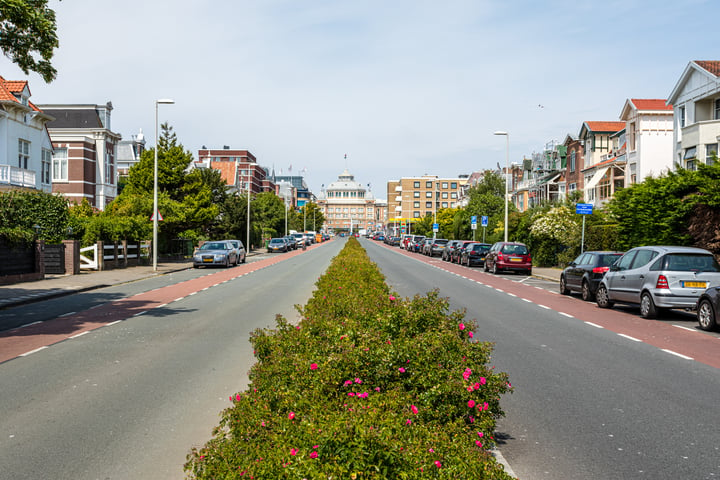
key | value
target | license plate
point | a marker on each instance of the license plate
(516, 259)
(207, 260)
(695, 284)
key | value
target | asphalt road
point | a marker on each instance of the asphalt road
(590, 401)
(130, 399)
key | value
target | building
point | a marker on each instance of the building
(604, 171)
(303, 195)
(25, 146)
(649, 134)
(348, 206)
(575, 164)
(696, 110)
(238, 168)
(128, 153)
(412, 198)
(84, 152)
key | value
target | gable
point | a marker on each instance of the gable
(695, 82)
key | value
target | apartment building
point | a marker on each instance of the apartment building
(696, 112)
(649, 135)
(239, 169)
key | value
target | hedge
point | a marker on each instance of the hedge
(366, 385)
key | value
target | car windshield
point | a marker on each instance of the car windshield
(213, 246)
(515, 249)
(277, 240)
(691, 262)
(481, 248)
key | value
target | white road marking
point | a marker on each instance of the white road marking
(29, 324)
(686, 328)
(629, 337)
(33, 351)
(66, 314)
(685, 357)
(113, 323)
(566, 314)
(594, 325)
(140, 313)
(80, 334)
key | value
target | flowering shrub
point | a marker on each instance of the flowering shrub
(367, 385)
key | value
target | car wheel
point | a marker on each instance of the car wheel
(647, 306)
(563, 286)
(706, 315)
(586, 293)
(495, 269)
(244, 258)
(485, 267)
(602, 298)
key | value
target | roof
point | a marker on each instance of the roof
(9, 87)
(712, 66)
(611, 127)
(72, 118)
(651, 104)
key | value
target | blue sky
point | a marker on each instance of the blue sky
(404, 88)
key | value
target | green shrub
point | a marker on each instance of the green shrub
(367, 385)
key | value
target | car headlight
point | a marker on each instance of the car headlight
(220, 256)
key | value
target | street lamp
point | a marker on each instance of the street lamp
(247, 239)
(155, 184)
(507, 173)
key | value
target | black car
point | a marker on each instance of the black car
(708, 308)
(474, 254)
(456, 252)
(585, 272)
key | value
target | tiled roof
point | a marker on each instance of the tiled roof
(605, 126)
(651, 104)
(712, 66)
(8, 87)
(15, 85)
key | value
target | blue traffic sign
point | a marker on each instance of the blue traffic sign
(473, 219)
(584, 208)
(484, 220)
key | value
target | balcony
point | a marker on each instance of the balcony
(18, 177)
(700, 133)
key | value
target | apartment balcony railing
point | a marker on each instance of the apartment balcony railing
(18, 177)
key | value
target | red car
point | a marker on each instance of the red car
(511, 256)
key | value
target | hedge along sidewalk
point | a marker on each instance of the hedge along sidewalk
(367, 385)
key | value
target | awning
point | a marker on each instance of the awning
(596, 178)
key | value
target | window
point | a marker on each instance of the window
(444, 194)
(23, 154)
(453, 185)
(711, 149)
(352, 210)
(428, 184)
(453, 195)
(416, 214)
(604, 188)
(428, 205)
(416, 204)
(428, 194)
(716, 110)
(572, 161)
(416, 184)
(643, 257)
(416, 194)
(109, 171)
(444, 204)
(681, 116)
(60, 165)
(444, 184)
(46, 164)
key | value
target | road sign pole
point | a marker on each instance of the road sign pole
(582, 240)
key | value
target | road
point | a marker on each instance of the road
(129, 400)
(590, 401)
(599, 394)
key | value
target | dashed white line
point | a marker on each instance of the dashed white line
(33, 351)
(594, 325)
(178, 299)
(685, 328)
(629, 337)
(566, 314)
(80, 334)
(512, 295)
(66, 314)
(685, 357)
(29, 324)
(527, 300)
(544, 306)
(113, 323)
(163, 305)
(191, 294)
(140, 313)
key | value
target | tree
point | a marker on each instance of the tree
(485, 198)
(28, 30)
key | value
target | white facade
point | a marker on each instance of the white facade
(696, 107)
(649, 135)
(25, 147)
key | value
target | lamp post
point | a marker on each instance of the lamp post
(247, 238)
(507, 173)
(155, 184)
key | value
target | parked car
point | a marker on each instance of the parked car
(425, 246)
(512, 256)
(436, 247)
(445, 255)
(658, 278)
(219, 253)
(393, 241)
(457, 251)
(474, 254)
(708, 308)
(240, 253)
(292, 242)
(415, 243)
(278, 244)
(585, 272)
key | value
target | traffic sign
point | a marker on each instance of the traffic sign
(436, 227)
(484, 220)
(473, 219)
(584, 208)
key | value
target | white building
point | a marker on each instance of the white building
(649, 136)
(25, 146)
(348, 206)
(696, 105)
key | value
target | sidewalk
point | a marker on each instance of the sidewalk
(551, 274)
(59, 285)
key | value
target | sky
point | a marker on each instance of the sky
(403, 88)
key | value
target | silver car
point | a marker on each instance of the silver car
(215, 253)
(240, 253)
(658, 278)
